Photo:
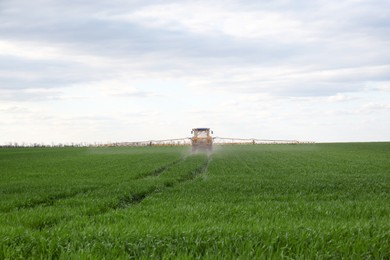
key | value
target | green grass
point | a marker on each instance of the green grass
(276, 201)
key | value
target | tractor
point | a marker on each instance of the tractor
(201, 139)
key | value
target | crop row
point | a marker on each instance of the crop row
(282, 201)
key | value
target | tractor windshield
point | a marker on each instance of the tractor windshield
(202, 134)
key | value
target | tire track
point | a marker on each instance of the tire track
(161, 169)
(52, 199)
(136, 198)
(47, 201)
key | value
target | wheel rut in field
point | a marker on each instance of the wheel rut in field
(136, 198)
(160, 170)
(198, 171)
(125, 201)
(48, 201)
(52, 199)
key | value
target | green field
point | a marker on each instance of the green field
(250, 201)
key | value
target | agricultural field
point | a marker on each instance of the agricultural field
(250, 201)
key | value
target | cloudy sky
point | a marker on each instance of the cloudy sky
(126, 70)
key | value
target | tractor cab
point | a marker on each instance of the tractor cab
(202, 139)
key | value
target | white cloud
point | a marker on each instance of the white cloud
(371, 107)
(120, 88)
(208, 18)
(124, 70)
(31, 94)
(379, 86)
(48, 51)
(340, 98)
(290, 81)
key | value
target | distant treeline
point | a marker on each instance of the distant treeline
(43, 145)
(148, 143)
